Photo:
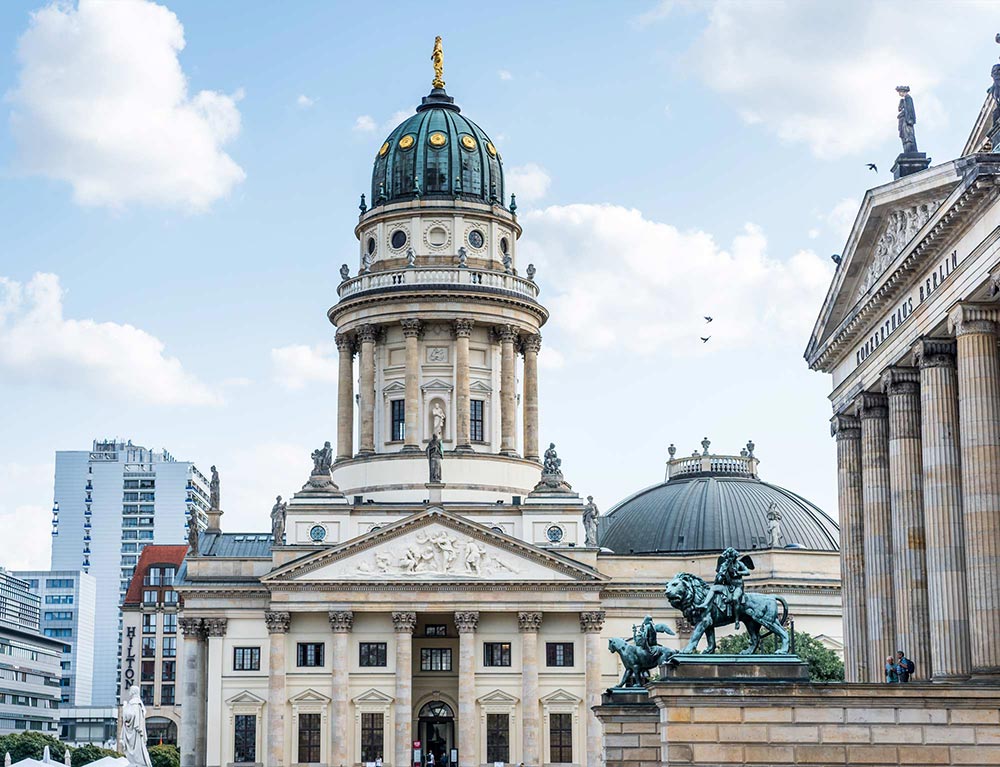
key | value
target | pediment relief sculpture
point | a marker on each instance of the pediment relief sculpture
(436, 553)
(901, 227)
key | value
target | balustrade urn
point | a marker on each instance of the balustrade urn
(847, 430)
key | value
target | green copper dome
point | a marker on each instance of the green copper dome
(437, 153)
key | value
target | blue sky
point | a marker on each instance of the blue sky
(173, 218)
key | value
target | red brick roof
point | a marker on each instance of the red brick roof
(152, 555)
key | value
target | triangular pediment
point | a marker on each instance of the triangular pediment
(245, 698)
(396, 387)
(373, 697)
(434, 545)
(560, 696)
(309, 696)
(497, 698)
(436, 384)
(479, 387)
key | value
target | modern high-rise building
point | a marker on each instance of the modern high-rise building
(29, 662)
(68, 601)
(110, 502)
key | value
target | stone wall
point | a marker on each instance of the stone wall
(802, 723)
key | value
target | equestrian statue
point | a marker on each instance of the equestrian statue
(641, 652)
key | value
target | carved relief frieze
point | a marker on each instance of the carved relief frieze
(435, 553)
(901, 227)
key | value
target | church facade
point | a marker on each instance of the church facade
(438, 592)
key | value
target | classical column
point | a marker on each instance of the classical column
(531, 346)
(341, 623)
(531, 746)
(942, 465)
(847, 430)
(591, 624)
(909, 566)
(277, 696)
(411, 435)
(975, 328)
(404, 623)
(468, 754)
(508, 406)
(875, 491)
(345, 397)
(215, 630)
(462, 329)
(366, 336)
(192, 731)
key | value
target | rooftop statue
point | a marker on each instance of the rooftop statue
(709, 607)
(322, 459)
(437, 58)
(434, 458)
(193, 534)
(906, 116)
(278, 512)
(643, 654)
(213, 490)
(590, 521)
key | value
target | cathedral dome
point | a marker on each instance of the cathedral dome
(437, 152)
(710, 502)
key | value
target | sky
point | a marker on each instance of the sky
(179, 186)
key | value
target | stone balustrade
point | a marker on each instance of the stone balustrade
(432, 276)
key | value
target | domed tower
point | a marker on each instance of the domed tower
(443, 320)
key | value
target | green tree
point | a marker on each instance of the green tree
(824, 665)
(164, 756)
(31, 745)
(89, 753)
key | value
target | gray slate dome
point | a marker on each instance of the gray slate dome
(710, 502)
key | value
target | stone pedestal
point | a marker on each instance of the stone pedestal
(434, 492)
(729, 668)
(910, 162)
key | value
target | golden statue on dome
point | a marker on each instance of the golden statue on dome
(437, 57)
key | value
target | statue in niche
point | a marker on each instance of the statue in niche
(213, 490)
(132, 740)
(322, 459)
(590, 521)
(434, 457)
(437, 412)
(906, 117)
(774, 526)
(278, 512)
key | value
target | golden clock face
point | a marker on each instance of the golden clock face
(468, 142)
(384, 149)
(491, 149)
(438, 139)
(406, 142)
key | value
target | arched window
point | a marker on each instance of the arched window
(436, 709)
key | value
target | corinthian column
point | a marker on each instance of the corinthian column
(411, 435)
(404, 623)
(215, 630)
(532, 344)
(508, 407)
(975, 328)
(366, 335)
(942, 464)
(341, 623)
(192, 732)
(277, 695)
(462, 328)
(909, 566)
(529, 624)
(847, 430)
(345, 397)
(875, 493)
(468, 753)
(591, 624)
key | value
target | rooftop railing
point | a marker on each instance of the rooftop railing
(445, 277)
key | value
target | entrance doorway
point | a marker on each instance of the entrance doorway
(436, 727)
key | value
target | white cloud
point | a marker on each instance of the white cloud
(644, 286)
(505, 75)
(258, 473)
(813, 233)
(365, 124)
(39, 345)
(529, 182)
(822, 74)
(26, 506)
(298, 365)
(304, 102)
(841, 218)
(102, 103)
(396, 118)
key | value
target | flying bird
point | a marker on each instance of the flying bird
(704, 339)
(708, 319)
(873, 166)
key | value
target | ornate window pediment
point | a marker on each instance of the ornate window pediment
(560, 698)
(478, 387)
(436, 384)
(309, 697)
(396, 387)
(245, 698)
(497, 698)
(373, 698)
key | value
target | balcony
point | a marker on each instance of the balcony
(458, 278)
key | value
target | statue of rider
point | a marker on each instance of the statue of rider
(729, 574)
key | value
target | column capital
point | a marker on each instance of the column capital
(216, 627)
(900, 380)
(411, 327)
(592, 622)
(532, 343)
(466, 621)
(845, 427)
(404, 623)
(529, 622)
(277, 622)
(872, 405)
(935, 353)
(505, 333)
(192, 627)
(345, 343)
(965, 319)
(367, 333)
(341, 621)
(462, 327)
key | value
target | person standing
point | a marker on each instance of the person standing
(891, 675)
(904, 667)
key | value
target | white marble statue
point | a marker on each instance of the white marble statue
(774, 526)
(132, 738)
(439, 418)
